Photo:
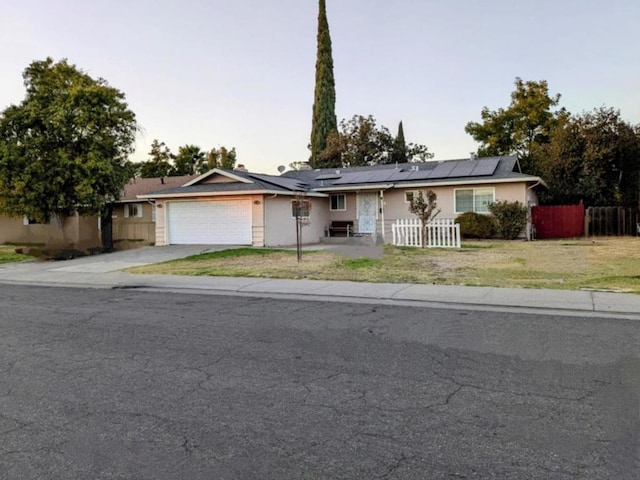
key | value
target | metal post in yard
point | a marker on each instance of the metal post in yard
(298, 239)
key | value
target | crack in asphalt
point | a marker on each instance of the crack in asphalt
(399, 462)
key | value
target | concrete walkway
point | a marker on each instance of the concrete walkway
(103, 271)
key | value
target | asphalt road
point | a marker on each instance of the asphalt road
(117, 384)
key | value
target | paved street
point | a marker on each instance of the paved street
(124, 384)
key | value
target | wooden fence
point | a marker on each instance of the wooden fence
(441, 233)
(570, 221)
(612, 221)
(558, 221)
(145, 231)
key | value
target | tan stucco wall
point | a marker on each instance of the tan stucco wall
(257, 220)
(134, 228)
(219, 179)
(350, 213)
(273, 225)
(395, 207)
(76, 232)
(257, 216)
(280, 226)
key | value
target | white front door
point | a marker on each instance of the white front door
(367, 209)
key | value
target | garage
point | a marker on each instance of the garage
(222, 222)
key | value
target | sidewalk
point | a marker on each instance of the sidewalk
(106, 274)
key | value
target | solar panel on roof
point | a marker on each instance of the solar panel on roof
(442, 170)
(328, 176)
(372, 176)
(399, 176)
(485, 167)
(345, 179)
(382, 175)
(420, 175)
(463, 169)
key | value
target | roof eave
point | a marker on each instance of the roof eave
(219, 172)
(468, 182)
(229, 194)
(342, 188)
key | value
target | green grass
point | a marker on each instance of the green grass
(469, 246)
(8, 254)
(362, 262)
(235, 253)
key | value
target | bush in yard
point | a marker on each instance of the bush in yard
(475, 225)
(510, 217)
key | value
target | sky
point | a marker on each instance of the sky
(240, 73)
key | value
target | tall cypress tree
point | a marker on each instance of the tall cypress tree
(324, 102)
(399, 146)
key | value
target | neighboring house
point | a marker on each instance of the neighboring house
(73, 231)
(244, 208)
(134, 219)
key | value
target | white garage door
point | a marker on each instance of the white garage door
(224, 222)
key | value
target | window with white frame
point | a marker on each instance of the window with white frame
(409, 195)
(132, 210)
(474, 199)
(338, 202)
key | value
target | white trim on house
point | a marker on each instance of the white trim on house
(219, 172)
(349, 188)
(232, 193)
(419, 185)
(468, 182)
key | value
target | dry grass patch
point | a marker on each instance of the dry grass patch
(603, 264)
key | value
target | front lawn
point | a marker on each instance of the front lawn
(601, 264)
(8, 254)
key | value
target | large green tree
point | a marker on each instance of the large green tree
(159, 163)
(65, 147)
(593, 157)
(324, 119)
(399, 153)
(517, 129)
(189, 160)
(361, 141)
(220, 157)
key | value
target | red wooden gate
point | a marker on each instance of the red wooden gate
(566, 221)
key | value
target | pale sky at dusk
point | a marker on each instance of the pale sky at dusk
(240, 73)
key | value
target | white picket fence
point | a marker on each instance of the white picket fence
(441, 233)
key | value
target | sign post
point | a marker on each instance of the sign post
(301, 209)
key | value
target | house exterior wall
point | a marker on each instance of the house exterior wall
(351, 212)
(280, 225)
(257, 217)
(218, 179)
(395, 207)
(257, 220)
(134, 228)
(77, 232)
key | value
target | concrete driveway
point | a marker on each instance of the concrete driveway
(111, 262)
